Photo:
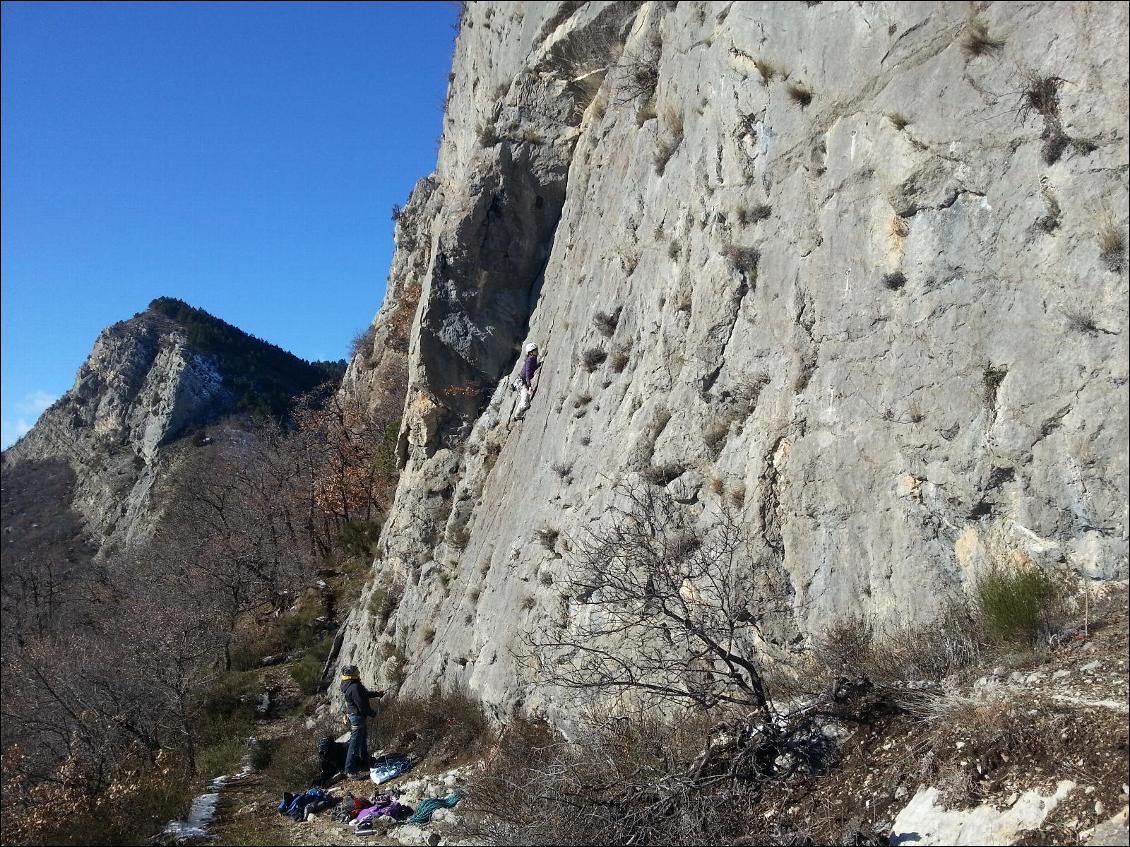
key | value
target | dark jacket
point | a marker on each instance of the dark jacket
(357, 698)
(529, 368)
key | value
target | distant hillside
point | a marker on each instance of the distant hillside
(164, 373)
(262, 376)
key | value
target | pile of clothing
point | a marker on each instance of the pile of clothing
(299, 807)
(369, 814)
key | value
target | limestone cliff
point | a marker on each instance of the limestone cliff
(148, 381)
(857, 267)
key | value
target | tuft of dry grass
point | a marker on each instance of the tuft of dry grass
(1112, 243)
(606, 323)
(976, 41)
(894, 281)
(765, 69)
(743, 259)
(592, 358)
(1041, 95)
(1081, 322)
(753, 214)
(898, 120)
(799, 93)
(547, 536)
(668, 138)
(619, 359)
(714, 435)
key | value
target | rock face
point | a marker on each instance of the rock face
(925, 822)
(148, 381)
(859, 268)
(140, 387)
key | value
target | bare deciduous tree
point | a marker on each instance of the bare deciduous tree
(667, 609)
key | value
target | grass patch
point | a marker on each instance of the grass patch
(293, 761)
(307, 673)
(223, 757)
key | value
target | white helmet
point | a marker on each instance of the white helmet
(530, 348)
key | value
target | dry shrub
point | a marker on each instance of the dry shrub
(592, 358)
(743, 259)
(715, 435)
(293, 759)
(443, 727)
(894, 281)
(622, 779)
(547, 536)
(606, 322)
(754, 214)
(135, 803)
(619, 360)
(901, 652)
(362, 344)
(663, 474)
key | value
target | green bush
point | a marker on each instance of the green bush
(359, 538)
(307, 673)
(287, 634)
(1015, 605)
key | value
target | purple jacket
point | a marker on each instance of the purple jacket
(529, 368)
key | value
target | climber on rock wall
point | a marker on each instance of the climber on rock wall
(525, 382)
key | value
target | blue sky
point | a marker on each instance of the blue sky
(241, 157)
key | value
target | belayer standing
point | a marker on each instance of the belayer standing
(358, 711)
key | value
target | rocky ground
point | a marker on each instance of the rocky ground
(1031, 751)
